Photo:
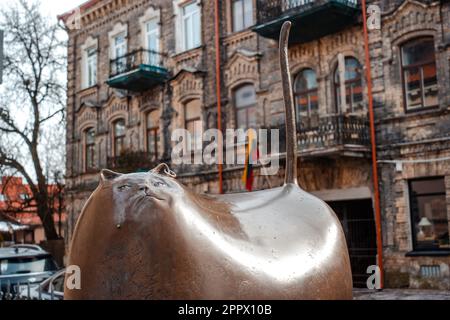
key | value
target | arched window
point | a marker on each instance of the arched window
(152, 124)
(245, 103)
(192, 122)
(353, 86)
(307, 99)
(119, 137)
(419, 74)
(89, 149)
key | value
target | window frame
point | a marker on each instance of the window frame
(152, 54)
(192, 120)
(90, 82)
(246, 107)
(244, 26)
(117, 138)
(420, 66)
(120, 64)
(337, 86)
(411, 213)
(91, 148)
(307, 93)
(190, 16)
(152, 130)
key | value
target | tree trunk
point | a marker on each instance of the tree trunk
(46, 216)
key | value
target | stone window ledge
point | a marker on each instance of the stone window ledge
(429, 253)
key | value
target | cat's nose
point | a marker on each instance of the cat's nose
(145, 189)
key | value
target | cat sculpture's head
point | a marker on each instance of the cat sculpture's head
(135, 194)
(124, 231)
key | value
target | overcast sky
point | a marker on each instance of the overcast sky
(53, 7)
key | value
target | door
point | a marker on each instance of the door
(358, 222)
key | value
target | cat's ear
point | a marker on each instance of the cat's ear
(165, 169)
(108, 175)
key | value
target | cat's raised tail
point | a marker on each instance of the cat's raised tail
(291, 126)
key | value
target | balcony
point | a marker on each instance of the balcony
(132, 161)
(137, 71)
(311, 19)
(343, 135)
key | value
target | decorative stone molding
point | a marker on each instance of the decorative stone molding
(242, 67)
(187, 85)
(151, 100)
(115, 108)
(411, 16)
(244, 39)
(88, 96)
(344, 40)
(189, 60)
(87, 117)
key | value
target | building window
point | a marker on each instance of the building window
(2, 197)
(119, 52)
(152, 42)
(307, 99)
(152, 134)
(193, 124)
(91, 70)
(245, 103)
(191, 25)
(119, 137)
(89, 149)
(429, 216)
(353, 86)
(242, 14)
(419, 74)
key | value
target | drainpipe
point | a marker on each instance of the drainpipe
(376, 190)
(218, 94)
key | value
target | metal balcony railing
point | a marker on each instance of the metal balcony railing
(133, 60)
(334, 131)
(132, 161)
(329, 133)
(269, 10)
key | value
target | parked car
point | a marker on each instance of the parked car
(23, 264)
(50, 289)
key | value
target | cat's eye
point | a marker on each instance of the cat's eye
(159, 184)
(124, 187)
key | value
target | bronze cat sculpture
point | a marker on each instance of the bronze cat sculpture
(145, 236)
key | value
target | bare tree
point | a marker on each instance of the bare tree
(32, 101)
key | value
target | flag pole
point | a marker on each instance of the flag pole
(376, 190)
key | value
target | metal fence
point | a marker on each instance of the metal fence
(131, 61)
(26, 291)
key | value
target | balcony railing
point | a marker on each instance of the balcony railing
(332, 134)
(138, 70)
(311, 18)
(335, 131)
(132, 161)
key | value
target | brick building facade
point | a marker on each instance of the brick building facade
(138, 69)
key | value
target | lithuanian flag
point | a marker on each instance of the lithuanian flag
(251, 156)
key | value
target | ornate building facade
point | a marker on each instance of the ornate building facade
(138, 69)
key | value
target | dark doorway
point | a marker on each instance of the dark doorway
(358, 222)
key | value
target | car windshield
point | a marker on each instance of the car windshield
(26, 265)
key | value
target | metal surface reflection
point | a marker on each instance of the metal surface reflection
(281, 243)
